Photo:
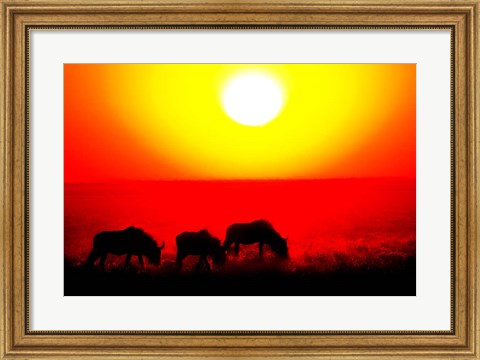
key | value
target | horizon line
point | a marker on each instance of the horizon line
(122, 181)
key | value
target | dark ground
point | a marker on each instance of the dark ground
(399, 280)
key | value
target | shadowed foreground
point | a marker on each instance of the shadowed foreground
(399, 280)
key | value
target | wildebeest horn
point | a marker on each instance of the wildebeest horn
(163, 245)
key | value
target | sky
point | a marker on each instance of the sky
(169, 122)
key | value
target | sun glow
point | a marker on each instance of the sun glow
(204, 121)
(252, 99)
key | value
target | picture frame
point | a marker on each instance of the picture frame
(19, 341)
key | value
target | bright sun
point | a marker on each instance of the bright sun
(252, 99)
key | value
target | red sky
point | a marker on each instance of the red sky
(166, 122)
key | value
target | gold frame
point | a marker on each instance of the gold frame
(18, 341)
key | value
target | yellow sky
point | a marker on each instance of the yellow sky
(167, 122)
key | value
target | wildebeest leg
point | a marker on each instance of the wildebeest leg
(91, 258)
(179, 261)
(260, 249)
(140, 259)
(207, 264)
(127, 260)
(200, 261)
(102, 261)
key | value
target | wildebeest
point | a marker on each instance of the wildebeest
(259, 231)
(130, 241)
(199, 243)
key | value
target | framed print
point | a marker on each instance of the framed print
(222, 225)
(233, 179)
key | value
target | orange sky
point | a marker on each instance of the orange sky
(166, 122)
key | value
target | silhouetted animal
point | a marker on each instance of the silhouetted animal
(130, 241)
(199, 243)
(259, 231)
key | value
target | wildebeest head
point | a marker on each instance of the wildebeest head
(218, 253)
(155, 254)
(280, 247)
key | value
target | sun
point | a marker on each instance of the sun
(253, 99)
